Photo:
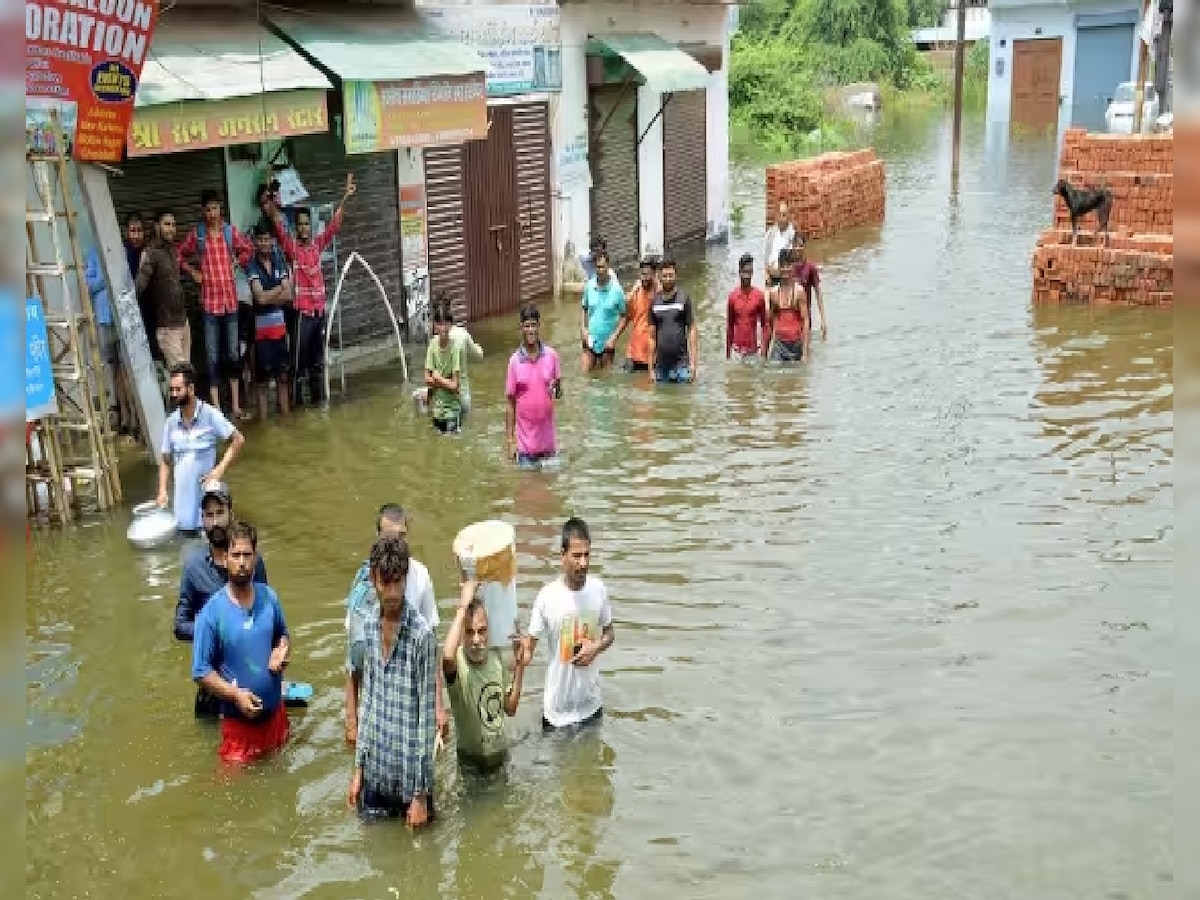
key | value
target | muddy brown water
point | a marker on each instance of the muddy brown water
(895, 625)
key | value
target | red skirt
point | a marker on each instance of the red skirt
(244, 742)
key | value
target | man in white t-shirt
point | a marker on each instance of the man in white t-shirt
(779, 238)
(574, 615)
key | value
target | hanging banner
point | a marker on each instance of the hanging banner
(412, 226)
(85, 59)
(389, 115)
(39, 376)
(520, 43)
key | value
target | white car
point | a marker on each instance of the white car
(1118, 118)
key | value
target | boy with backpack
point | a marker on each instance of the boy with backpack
(218, 247)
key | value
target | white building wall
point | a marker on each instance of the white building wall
(678, 23)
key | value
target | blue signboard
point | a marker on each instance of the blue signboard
(39, 375)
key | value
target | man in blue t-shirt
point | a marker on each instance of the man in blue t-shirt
(241, 648)
(271, 287)
(603, 314)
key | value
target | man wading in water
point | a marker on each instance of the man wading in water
(531, 387)
(789, 316)
(241, 649)
(779, 238)
(637, 315)
(602, 316)
(205, 571)
(808, 278)
(394, 653)
(674, 344)
(746, 330)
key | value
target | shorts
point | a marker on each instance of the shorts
(534, 460)
(740, 355)
(207, 705)
(674, 374)
(244, 741)
(176, 344)
(787, 351)
(632, 365)
(109, 350)
(270, 358)
(375, 805)
(448, 426)
(601, 359)
(593, 719)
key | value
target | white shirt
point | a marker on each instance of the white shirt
(564, 617)
(777, 242)
(418, 593)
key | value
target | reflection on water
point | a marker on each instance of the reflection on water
(894, 624)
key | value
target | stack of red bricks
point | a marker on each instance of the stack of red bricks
(828, 193)
(1136, 267)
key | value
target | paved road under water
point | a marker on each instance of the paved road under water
(895, 625)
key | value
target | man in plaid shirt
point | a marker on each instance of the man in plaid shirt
(308, 283)
(220, 248)
(393, 651)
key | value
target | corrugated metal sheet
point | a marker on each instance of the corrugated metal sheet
(663, 66)
(531, 143)
(372, 228)
(685, 168)
(493, 243)
(615, 201)
(444, 215)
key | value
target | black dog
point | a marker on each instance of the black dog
(1081, 201)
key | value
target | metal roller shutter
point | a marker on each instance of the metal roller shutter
(371, 227)
(685, 168)
(531, 143)
(444, 224)
(613, 150)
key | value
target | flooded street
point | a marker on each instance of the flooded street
(896, 625)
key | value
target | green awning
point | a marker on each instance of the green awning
(362, 44)
(192, 57)
(664, 67)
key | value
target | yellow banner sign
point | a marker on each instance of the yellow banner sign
(204, 124)
(426, 112)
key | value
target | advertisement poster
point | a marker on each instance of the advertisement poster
(390, 115)
(39, 377)
(87, 58)
(574, 169)
(520, 44)
(412, 226)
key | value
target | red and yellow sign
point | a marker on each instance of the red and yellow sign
(204, 124)
(89, 54)
(425, 112)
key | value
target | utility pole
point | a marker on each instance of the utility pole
(960, 62)
(1162, 56)
(1139, 89)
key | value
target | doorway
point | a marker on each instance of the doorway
(1036, 76)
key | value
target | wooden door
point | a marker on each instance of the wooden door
(491, 224)
(1036, 76)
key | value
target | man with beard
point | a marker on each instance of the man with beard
(533, 383)
(574, 614)
(205, 571)
(239, 654)
(160, 288)
(190, 438)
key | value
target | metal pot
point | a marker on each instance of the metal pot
(151, 527)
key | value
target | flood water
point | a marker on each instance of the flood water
(896, 625)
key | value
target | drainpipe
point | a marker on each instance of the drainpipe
(1162, 57)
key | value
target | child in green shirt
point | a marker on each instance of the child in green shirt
(443, 371)
(482, 693)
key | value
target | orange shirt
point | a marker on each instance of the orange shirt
(637, 310)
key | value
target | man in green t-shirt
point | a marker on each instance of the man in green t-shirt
(443, 369)
(482, 692)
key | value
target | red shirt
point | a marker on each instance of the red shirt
(807, 277)
(789, 320)
(308, 281)
(747, 311)
(218, 290)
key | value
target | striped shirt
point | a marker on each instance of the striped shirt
(396, 721)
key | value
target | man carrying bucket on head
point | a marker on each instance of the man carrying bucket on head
(363, 601)
(533, 384)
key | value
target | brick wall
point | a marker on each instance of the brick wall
(828, 193)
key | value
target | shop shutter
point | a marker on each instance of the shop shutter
(685, 168)
(531, 143)
(613, 151)
(444, 224)
(371, 228)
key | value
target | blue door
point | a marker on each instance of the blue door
(1102, 61)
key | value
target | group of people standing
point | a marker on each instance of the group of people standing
(397, 669)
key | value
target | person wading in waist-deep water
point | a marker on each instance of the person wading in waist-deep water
(240, 651)
(482, 693)
(533, 383)
(637, 316)
(271, 287)
(789, 316)
(190, 438)
(443, 369)
(218, 246)
(674, 345)
(394, 654)
(602, 314)
(392, 521)
(305, 251)
(159, 286)
(808, 278)
(574, 616)
(467, 349)
(747, 331)
(779, 238)
(206, 571)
